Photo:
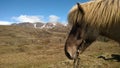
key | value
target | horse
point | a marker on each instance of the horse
(89, 20)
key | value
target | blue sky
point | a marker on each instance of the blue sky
(14, 11)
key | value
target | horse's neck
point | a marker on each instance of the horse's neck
(113, 32)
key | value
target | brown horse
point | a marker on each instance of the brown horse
(89, 20)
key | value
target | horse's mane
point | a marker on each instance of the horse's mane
(74, 13)
(101, 13)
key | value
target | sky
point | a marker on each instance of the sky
(16, 11)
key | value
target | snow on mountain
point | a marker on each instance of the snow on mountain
(40, 25)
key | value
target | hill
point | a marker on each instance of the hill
(26, 47)
(40, 25)
(17, 35)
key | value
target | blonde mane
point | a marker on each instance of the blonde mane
(100, 13)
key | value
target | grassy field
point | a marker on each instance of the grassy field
(37, 48)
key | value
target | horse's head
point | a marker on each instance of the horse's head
(79, 37)
(73, 42)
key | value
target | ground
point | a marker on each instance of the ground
(37, 48)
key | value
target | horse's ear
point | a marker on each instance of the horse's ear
(80, 8)
(80, 14)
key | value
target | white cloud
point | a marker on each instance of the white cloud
(35, 18)
(53, 18)
(27, 18)
(5, 23)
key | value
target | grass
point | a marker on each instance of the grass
(29, 47)
(36, 48)
(31, 58)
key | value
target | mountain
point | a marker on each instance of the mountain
(40, 25)
(24, 24)
(48, 25)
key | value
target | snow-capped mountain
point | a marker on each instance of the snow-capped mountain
(40, 25)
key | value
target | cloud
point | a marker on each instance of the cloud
(5, 23)
(53, 18)
(27, 18)
(33, 19)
